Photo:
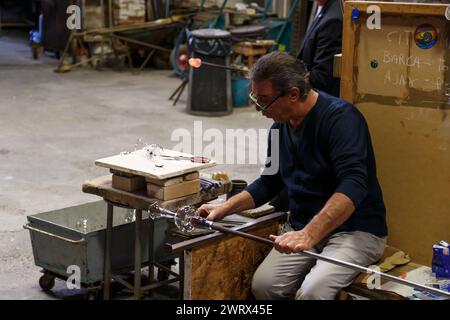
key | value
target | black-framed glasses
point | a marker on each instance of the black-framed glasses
(263, 108)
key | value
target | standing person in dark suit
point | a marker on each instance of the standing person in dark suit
(322, 41)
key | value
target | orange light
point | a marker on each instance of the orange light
(195, 62)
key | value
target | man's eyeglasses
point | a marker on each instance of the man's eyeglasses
(263, 108)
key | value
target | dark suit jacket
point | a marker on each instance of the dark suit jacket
(322, 41)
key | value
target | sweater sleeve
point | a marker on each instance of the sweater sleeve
(349, 142)
(270, 183)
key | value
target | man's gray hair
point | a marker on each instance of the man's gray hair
(283, 71)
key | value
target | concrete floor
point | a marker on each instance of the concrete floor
(52, 128)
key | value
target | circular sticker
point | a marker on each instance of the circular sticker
(374, 63)
(447, 13)
(425, 36)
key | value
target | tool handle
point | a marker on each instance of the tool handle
(27, 226)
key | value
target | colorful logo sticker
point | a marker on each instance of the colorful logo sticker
(425, 36)
(374, 63)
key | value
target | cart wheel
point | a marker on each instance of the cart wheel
(162, 274)
(47, 282)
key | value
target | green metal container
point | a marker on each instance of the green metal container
(76, 236)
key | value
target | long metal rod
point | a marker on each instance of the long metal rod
(200, 221)
(141, 43)
(137, 255)
(222, 66)
(342, 263)
(27, 226)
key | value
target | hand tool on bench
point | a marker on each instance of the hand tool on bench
(192, 159)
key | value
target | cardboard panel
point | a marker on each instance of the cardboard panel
(412, 149)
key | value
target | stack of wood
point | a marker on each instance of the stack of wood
(164, 189)
(129, 12)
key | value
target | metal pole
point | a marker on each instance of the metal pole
(151, 251)
(222, 66)
(137, 255)
(108, 246)
(200, 221)
(342, 263)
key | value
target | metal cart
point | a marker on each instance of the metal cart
(76, 236)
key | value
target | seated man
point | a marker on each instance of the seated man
(328, 166)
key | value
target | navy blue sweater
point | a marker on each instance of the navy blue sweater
(331, 151)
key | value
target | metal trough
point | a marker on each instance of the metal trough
(75, 236)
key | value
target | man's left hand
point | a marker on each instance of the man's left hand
(293, 241)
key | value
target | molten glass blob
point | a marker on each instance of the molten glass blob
(195, 62)
(183, 218)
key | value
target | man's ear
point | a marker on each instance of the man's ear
(295, 94)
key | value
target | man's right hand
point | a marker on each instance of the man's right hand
(212, 212)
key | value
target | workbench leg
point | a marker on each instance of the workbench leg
(151, 252)
(137, 256)
(183, 85)
(145, 62)
(108, 250)
(181, 275)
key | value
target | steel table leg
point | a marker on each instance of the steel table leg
(108, 250)
(151, 253)
(181, 275)
(137, 256)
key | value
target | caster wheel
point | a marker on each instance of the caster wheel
(47, 282)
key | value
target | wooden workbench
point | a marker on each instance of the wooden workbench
(219, 266)
(213, 266)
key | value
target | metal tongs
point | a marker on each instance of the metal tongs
(192, 159)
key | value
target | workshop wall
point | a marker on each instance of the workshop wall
(399, 77)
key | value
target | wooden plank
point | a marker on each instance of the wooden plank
(401, 8)
(129, 184)
(217, 236)
(165, 182)
(351, 33)
(138, 164)
(102, 187)
(191, 176)
(174, 180)
(174, 191)
(348, 48)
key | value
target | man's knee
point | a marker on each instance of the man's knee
(265, 287)
(261, 286)
(315, 291)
